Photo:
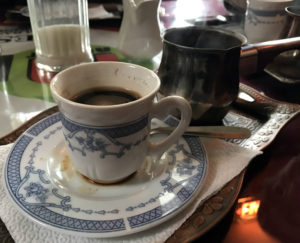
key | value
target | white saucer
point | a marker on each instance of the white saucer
(42, 182)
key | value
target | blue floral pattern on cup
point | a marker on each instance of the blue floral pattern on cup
(101, 139)
(254, 17)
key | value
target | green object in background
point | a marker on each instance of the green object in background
(21, 73)
(102, 50)
(18, 83)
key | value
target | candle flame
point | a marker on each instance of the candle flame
(247, 209)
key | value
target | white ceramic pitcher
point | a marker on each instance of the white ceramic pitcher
(139, 35)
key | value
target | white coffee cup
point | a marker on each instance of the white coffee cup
(266, 20)
(107, 143)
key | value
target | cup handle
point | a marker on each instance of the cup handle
(159, 110)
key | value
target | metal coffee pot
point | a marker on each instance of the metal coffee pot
(203, 65)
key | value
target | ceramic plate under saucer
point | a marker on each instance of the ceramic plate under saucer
(41, 180)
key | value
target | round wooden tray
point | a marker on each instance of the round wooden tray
(216, 207)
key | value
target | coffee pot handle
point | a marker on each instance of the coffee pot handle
(254, 57)
(160, 110)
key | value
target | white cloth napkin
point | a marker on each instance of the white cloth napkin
(226, 160)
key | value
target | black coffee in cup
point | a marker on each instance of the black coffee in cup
(103, 96)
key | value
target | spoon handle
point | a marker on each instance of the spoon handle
(210, 131)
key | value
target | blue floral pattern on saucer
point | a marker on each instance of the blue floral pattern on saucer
(45, 186)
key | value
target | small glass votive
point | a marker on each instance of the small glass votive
(60, 31)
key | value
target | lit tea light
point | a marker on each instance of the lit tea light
(247, 208)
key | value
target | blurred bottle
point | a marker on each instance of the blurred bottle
(61, 33)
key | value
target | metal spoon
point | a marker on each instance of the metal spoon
(209, 131)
